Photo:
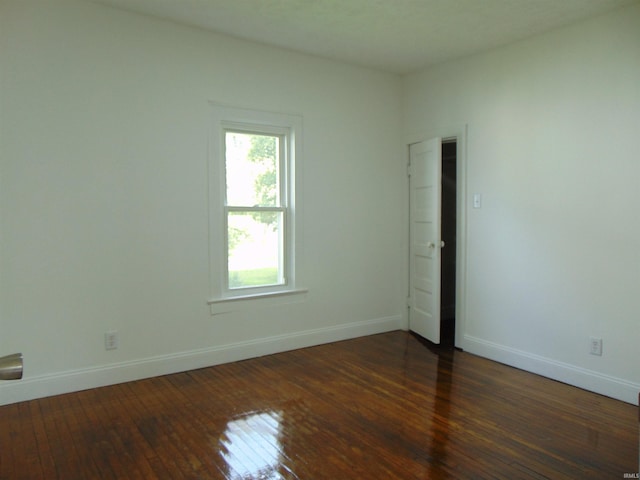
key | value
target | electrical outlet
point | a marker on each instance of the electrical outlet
(111, 340)
(595, 346)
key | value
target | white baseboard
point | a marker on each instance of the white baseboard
(83, 379)
(563, 372)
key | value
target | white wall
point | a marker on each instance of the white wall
(104, 120)
(553, 131)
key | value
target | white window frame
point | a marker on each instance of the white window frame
(289, 127)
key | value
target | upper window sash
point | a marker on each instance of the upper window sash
(283, 138)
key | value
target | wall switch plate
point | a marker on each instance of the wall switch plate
(111, 340)
(595, 346)
(477, 200)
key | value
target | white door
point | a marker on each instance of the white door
(425, 185)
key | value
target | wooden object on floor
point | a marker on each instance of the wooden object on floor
(387, 406)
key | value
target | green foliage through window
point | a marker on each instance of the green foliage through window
(265, 151)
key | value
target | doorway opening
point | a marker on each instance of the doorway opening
(449, 222)
(437, 238)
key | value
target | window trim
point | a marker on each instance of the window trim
(289, 127)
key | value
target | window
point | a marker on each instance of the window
(254, 163)
(255, 208)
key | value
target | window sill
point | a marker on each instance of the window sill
(244, 302)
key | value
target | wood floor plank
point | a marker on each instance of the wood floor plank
(9, 415)
(41, 447)
(385, 406)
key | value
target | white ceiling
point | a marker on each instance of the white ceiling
(399, 36)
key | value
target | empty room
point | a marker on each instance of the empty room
(319, 239)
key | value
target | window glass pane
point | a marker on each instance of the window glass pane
(255, 249)
(252, 169)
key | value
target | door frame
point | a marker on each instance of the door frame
(459, 132)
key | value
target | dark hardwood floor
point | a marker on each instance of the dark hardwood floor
(387, 406)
